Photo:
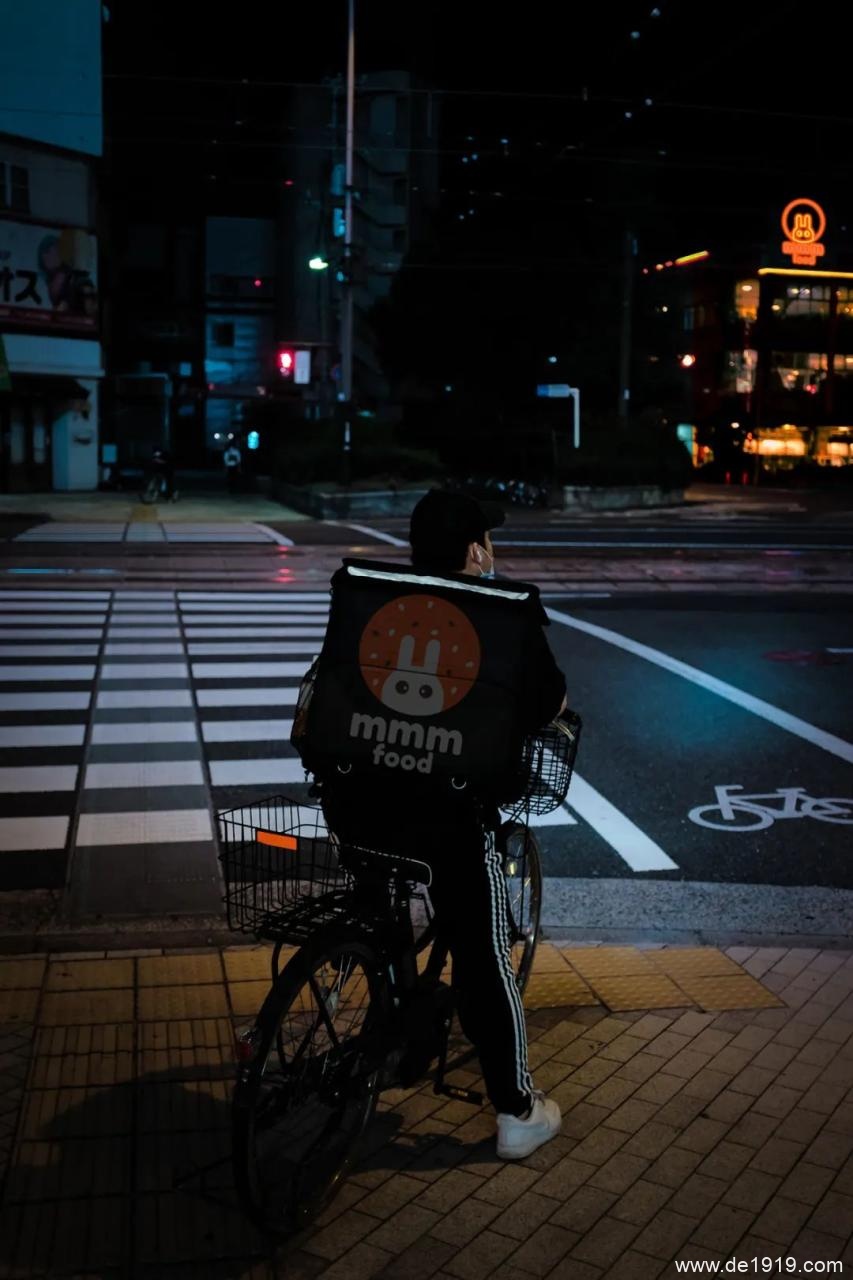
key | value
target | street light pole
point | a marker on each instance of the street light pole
(347, 299)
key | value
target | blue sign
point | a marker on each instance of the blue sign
(554, 390)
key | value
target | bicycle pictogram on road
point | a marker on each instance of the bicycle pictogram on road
(758, 810)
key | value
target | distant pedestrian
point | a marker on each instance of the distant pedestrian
(233, 460)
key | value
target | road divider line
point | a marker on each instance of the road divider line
(371, 533)
(748, 702)
(623, 836)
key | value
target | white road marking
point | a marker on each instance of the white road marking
(247, 670)
(270, 647)
(151, 633)
(623, 836)
(54, 595)
(49, 619)
(145, 773)
(75, 633)
(371, 532)
(42, 777)
(158, 826)
(125, 699)
(556, 818)
(144, 619)
(42, 735)
(155, 649)
(45, 701)
(146, 731)
(272, 534)
(782, 719)
(138, 671)
(288, 598)
(247, 633)
(18, 834)
(48, 650)
(261, 620)
(34, 675)
(246, 730)
(282, 697)
(279, 607)
(676, 544)
(248, 773)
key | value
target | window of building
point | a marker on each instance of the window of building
(799, 370)
(746, 299)
(740, 371)
(845, 301)
(19, 188)
(223, 334)
(800, 301)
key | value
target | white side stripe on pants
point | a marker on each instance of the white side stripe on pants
(497, 891)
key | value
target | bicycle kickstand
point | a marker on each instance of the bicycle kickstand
(441, 1086)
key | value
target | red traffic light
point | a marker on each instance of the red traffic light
(286, 362)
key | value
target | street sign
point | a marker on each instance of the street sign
(303, 368)
(554, 390)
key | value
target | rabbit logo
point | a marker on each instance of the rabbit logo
(419, 655)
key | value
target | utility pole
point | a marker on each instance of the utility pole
(629, 252)
(347, 298)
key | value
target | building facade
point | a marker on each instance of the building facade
(51, 361)
(751, 347)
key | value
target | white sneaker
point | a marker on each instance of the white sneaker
(520, 1136)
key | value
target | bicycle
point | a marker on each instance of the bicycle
(362, 1005)
(795, 803)
(155, 488)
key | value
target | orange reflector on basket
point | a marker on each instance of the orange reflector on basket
(280, 842)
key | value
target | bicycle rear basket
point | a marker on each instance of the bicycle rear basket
(548, 758)
(280, 867)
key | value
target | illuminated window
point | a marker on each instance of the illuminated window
(799, 301)
(843, 366)
(740, 371)
(746, 299)
(845, 301)
(799, 370)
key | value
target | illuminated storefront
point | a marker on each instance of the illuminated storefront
(759, 356)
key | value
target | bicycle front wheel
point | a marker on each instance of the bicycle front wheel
(523, 872)
(310, 1088)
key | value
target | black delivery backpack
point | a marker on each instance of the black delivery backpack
(420, 677)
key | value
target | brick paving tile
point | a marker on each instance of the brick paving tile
(466, 1221)
(754, 1081)
(752, 1039)
(702, 1135)
(834, 1215)
(506, 1186)
(731, 1060)
(361, 1263)
(723, 1227)
(841, 1120)
(583, 1209)
(687, 1063)
(692, 1024)
(640, 1068)
(349, 1194)
(570, 1268)
(799, 1075)
(560, 1180)
(479, 1258)
(563, 1033)
(830, 1150)
(594, 1072)
(334, 1240)
(652, 1140)
(777, 1101)
(774, 1057)
(659, 1089)
(609, 1029)
(449, 1190)
(781, 1220)
(693, 1253)
(752, 1189)
(623, 1048)
(631, 1116)
(727, 1161)
(568, 1095)
(528, 1213)
(402, 1230)
(681, 1111)
(672, 1167)
(667, 1045)
(844, 1180)
(391, 1196)
(816, 1246)
(418, 1261)
(838, 1072)
(641, 1202)
(583, 1119)
(778, 1156)
(543, 1250)
(697, 1196)
(753, 1130)
(600, 1145)
(651, 1025)
(712, 1040)
(612, 1093)
(665, 1234)
(824, 1097)
(794, 1033)
(577, 1052)
(18, 975)
(707, 1084)
(619, 1173)
(604, 1243)
(794, 961)
(807, 1183)
(635, 1266)
(551, 1154)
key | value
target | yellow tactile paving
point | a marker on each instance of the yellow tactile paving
(247, 997)
(18, 1006)
(698, 962)
(242, 964)
(173, 971)
(556, 990)
(61, 1041)
(89, 975)
(76, 1113)
(739, 991)
(21, 975)
(78, 1070)
(638, 991)
(549, 959)
(79, 1008)
(203, 1045)
(608, 961)
(166, 1004)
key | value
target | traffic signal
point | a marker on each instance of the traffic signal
(287, 363)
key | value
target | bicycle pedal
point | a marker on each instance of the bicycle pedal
(458, 1094)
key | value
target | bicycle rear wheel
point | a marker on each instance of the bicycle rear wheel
(523, 872)
(310, 1089)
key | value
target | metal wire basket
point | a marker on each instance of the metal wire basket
(281, 869)
(548, 758)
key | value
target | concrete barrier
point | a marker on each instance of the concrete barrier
(347, 504)
(582, 497)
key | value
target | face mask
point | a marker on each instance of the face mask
(490, 572)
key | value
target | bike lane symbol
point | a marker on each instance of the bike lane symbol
(759, 810)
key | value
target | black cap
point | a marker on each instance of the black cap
(443, 523)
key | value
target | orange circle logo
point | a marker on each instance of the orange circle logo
(801, 226)
(419, 655)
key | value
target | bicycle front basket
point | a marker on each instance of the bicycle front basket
(547, 761)
(280, 867)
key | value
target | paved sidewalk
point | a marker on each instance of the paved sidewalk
(718, 1125)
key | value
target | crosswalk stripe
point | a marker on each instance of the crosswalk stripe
(247, 670)
(74, 633)
(48, 650)
(271, 771)
(280, 647)
(56, 595)
(45, 701)
(128, 699)
(140, 826)
(248, 633)
(49, 619)
(281, 697)
(238, 607)
(117, 650)
(144, 773)
(145, 731)
(289, 599)
(42, 735)
(47, 777)
(33, 675)
(153, 671)
(626, 839)
(151, 633)
(55, 606)
(26, 834)
(246, 730)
